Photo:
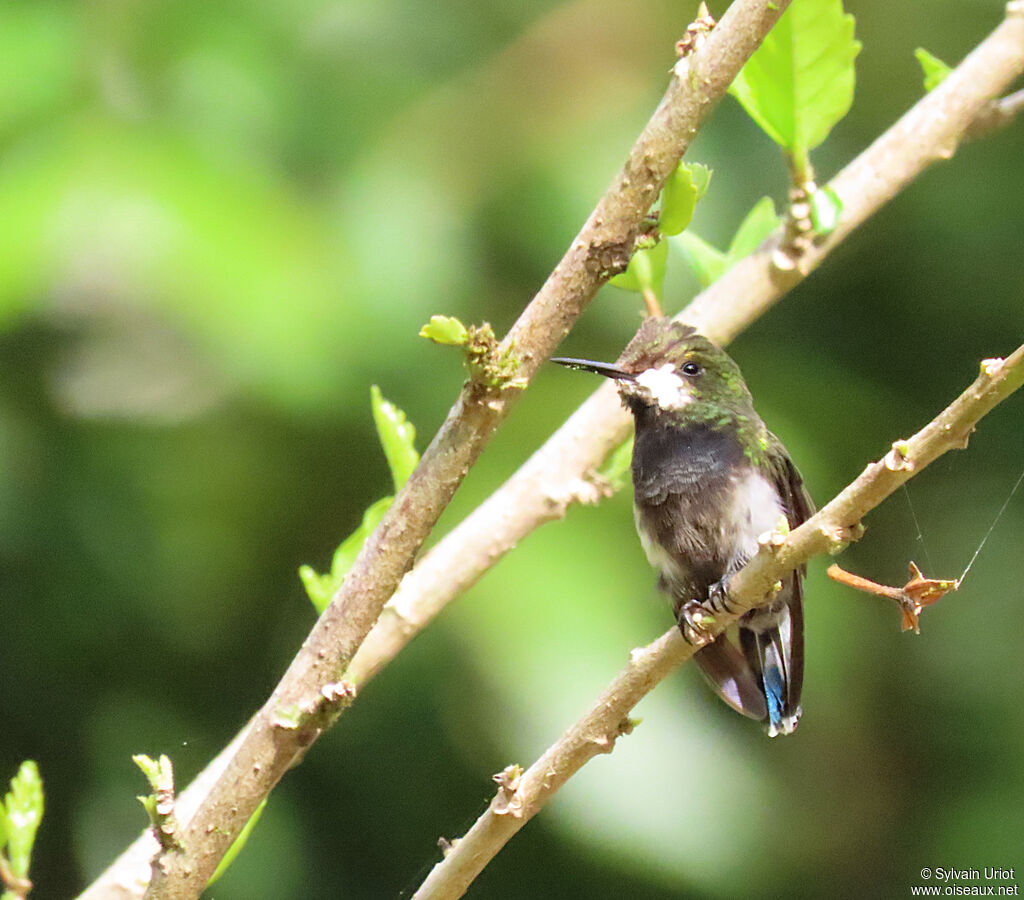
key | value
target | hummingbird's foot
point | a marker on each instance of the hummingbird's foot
(719, 600)
(694, 618)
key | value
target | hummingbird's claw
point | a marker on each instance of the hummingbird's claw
(694, 619)
(718, 596)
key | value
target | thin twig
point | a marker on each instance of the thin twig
(912, 598)
(297, 713)
(597, 731)
(651, 301)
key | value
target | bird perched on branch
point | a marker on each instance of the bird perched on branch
(709, 479)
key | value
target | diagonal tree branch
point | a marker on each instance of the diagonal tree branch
(562, 472)
(307, 700)
(522, 794)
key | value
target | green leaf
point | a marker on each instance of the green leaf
(445, 330)
(348, 550)
(149, 767)
(321, 588)
(826, 208)
(685, 186)
(238, 844)
(755, 227)
(799, 83)
(707, 262)
(23, 811)
(646, 270)
(397, 437)
(934, 69)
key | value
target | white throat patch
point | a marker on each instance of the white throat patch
(665, 388)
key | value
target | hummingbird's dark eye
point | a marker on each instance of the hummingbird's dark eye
(692, 368)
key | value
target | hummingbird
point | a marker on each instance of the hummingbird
(708, 479)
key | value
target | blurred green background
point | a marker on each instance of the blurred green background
(220, 223)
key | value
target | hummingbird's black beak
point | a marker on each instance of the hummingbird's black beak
(598, 368)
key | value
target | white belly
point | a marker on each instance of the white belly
(753, 508)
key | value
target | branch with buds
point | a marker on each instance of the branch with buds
(602, 248)
(566, 470)
(835, 525)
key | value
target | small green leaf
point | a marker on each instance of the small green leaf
(617, 466)
(685, 186)
(149, 766)
(826, 208)
(646, 270)
(445, 330)
(397, 437)
(799, 83)
(755, 227)
(239, 843)
(934, 69)
(706, 262)
(23, 811)
(346, 554)
(321, 588)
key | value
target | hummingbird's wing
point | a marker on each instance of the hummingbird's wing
(789, 484)
(772, 637)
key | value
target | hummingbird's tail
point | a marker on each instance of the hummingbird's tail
(773, 640)
(764, 681)
(730, 675)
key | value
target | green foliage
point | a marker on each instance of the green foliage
(38, 44)
(799, 83)
(397, 438)
(321, 588)
(934, 69)
(761, 221)
(708, 263)
(445, 330)
(238, 844)
(646, 270)
(213, 249)
(150, 767)
(20, 815)
(685, 186)
(826, 208)
(487, 363)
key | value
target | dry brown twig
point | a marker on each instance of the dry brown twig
(563, 471)
(912, 598)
